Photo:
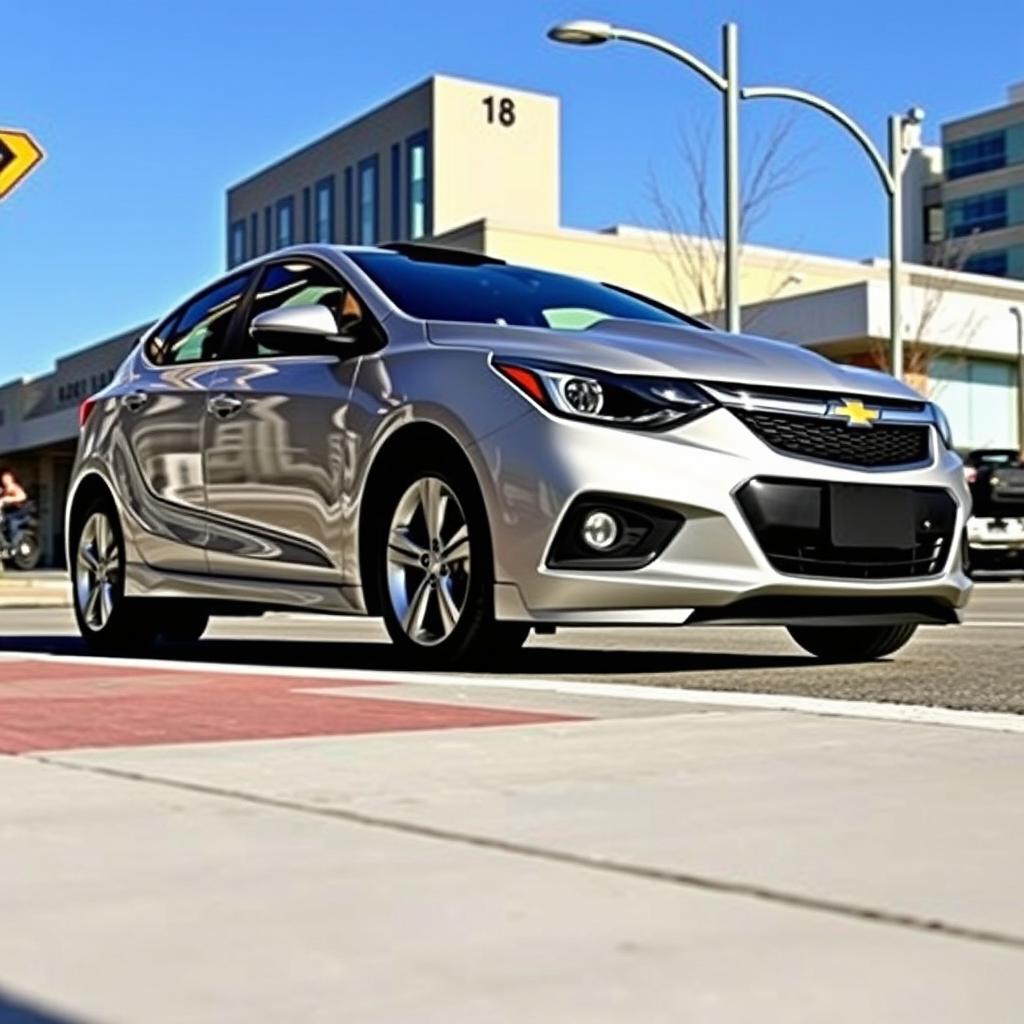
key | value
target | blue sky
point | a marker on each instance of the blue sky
(148, 110)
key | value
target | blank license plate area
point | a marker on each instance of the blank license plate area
(872, 517)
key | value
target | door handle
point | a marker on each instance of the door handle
(224, 406)
(135, 400)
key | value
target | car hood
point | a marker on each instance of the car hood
(652, 349)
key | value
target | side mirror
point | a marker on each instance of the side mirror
(299, 330)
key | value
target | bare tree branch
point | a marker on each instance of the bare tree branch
(771, 171)
(923, 348)
(695, 255)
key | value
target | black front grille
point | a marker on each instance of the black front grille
(814, 437)
(793, 523)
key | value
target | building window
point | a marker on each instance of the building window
(254, 225)
(979, 397)
(369, 201)
(977, 213)
(996, 263)
(349, 231)
(325, 210)
(417, 162)
(268, 230)
(396, 192)
(934, 223)
(285, 222)
(236, 244)
(975, 156)
(307, 216)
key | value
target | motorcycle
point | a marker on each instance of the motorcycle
(19, 536)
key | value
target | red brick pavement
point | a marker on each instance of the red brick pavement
(49, 705)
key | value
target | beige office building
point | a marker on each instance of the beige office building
(39, 428)
(441, 155)
(477, 166)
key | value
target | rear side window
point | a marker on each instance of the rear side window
(199, 333)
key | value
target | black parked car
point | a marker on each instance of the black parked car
(995, 531)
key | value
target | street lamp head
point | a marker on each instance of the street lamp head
(915, 115)
(581, 33)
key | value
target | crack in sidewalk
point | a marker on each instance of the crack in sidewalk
(684, 879)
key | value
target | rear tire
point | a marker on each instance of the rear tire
(27, 551)
(109, 622)
(434, 568)
(851, 643)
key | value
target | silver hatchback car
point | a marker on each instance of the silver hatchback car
(472, 450)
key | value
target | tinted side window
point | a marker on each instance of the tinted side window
(301, 284)
(200, 332)
(157, 342)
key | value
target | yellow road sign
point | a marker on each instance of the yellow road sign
(19, 153)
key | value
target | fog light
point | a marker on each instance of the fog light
(600, 531)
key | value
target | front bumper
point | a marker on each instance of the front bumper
(995, 534)
(534, 468)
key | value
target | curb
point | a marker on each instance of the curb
(16, 592)
(34, 602)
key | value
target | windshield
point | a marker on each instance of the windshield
(994, 458)
(496, 293)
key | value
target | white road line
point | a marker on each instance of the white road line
(919, 714)
(995, 624)
(907, 713)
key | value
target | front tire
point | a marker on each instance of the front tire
(182, 623)
(108, 621)
(852, 643)
(435, 569)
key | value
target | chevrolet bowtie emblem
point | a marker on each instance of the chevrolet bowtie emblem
(856, 414)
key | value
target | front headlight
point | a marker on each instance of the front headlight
(637, 403)
(942, 425)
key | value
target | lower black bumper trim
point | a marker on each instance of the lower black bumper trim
(828, 611)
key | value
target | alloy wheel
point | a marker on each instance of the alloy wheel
(97, 571)
(428, 561)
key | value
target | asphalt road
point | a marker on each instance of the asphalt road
(979, 666)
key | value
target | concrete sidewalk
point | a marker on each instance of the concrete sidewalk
(636, 862)
(44, 589)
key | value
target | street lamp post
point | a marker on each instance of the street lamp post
(589, 33)
(731, 97)
(592, 33)
(896, 131)
(1018, 315)
(891, 175)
